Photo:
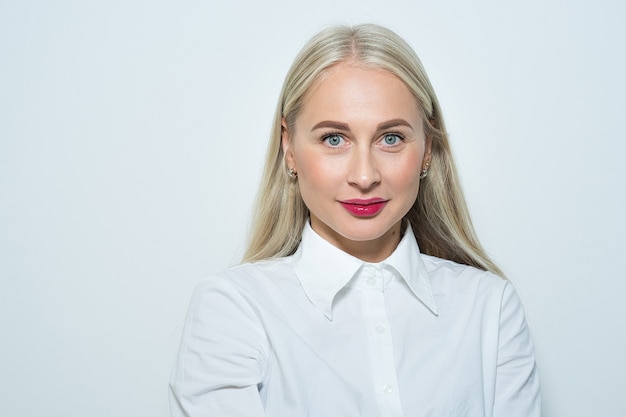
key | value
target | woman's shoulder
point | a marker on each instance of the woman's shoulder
(452, 277)
(248, 276)
(253, 270)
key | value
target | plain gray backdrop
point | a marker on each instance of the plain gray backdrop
(132, 135)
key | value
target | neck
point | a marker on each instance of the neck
(373, 251)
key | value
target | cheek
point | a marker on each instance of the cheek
(406, 173)
(316, 176)
(313, 168)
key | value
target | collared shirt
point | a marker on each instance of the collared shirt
(323, 334)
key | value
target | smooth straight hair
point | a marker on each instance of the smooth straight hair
(439, 216)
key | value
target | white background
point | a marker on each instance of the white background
(131, 140)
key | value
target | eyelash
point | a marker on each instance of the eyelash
(399, 136)
(328, 135)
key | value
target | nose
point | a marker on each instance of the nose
(363, 171)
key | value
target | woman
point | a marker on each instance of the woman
(365, 291)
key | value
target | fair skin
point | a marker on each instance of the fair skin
(358, 146)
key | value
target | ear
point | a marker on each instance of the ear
(287, 145)
(428, 150)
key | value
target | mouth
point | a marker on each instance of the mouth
(364, 208)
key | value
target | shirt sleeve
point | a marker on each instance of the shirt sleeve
(220, 361)
(517, 382)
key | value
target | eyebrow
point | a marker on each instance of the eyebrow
(331, 124)
(343, 126)
(394, 123)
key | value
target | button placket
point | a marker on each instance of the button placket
(370, 274)
(386, 378)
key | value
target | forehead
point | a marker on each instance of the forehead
(353, 91)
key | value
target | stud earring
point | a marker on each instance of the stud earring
(424, 172)
(292, 173)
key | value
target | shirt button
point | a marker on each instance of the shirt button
(380, 329)
(387, 389)
(370, 272)
(371, 281)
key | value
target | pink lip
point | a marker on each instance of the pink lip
(364, 208)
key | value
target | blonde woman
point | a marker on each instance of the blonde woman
(364, 290)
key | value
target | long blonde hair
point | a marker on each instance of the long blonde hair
(439, 216)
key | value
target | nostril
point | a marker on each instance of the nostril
(364, 173)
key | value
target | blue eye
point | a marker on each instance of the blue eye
(391, 139)
(333, 140)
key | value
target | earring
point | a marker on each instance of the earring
(424, 172)
(292, 173)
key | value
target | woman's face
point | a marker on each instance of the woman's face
(358, 147)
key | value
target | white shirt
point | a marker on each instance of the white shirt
(323, 334)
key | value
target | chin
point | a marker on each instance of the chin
(367, 233)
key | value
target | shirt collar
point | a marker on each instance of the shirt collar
(323, 269)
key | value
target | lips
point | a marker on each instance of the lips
(364, 208)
